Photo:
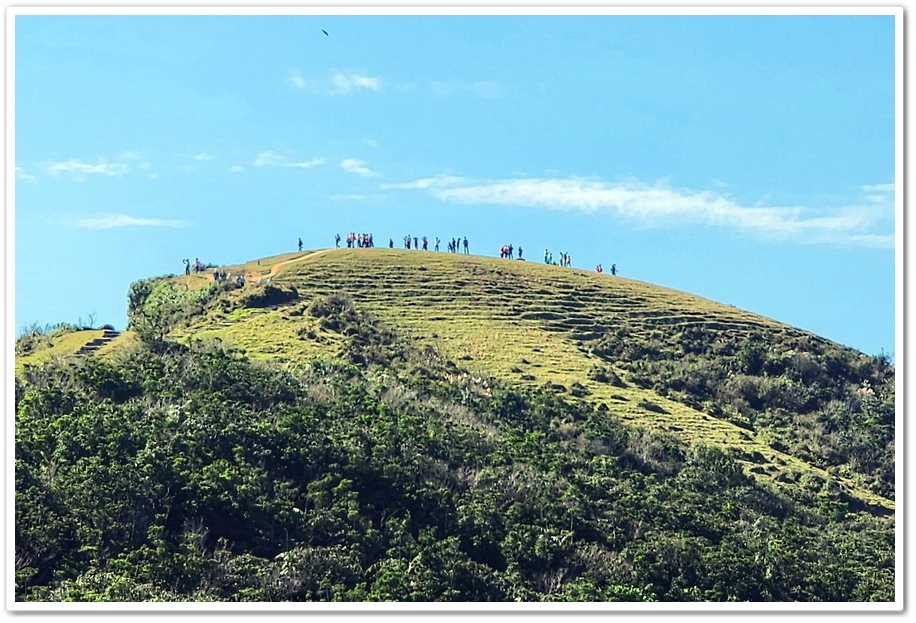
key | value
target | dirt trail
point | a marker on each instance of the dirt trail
(253, 274)
(276, 267)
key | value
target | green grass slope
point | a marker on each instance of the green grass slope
(531, 324)
(377, 425)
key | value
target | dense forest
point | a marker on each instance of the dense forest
(187, 472)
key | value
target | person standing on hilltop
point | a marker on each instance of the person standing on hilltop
(466, 245)
(336, 241)
(613, 269)
(187, 266)
(300, 244)
(519, 251)
(437, 244)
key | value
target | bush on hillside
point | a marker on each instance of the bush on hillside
(267, 295)
(192, 474)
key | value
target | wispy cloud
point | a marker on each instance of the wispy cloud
(236, 168)
(356, 166)
(308, 164)
(338, 83)
(266, 158)
(271, 158)
(21, 174)
(297, 81)
(79, 169)
(881, 188)
(345, 83)
(660, 205)
(111, 221)
(426, 182)
(203, 156)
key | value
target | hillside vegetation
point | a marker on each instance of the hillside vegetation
(398, 425)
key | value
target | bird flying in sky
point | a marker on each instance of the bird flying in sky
(325, 33)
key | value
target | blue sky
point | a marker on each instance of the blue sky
(746, 159)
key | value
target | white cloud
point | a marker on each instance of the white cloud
(266, 158)
(297, 81)
(314, 162)
(659, 204)
(236, 168)
(339, 83)
(203, 156)
(881, 188)
(79, 169)
(130, 155)
(345, 83)
(144, 165)
(426, 182)
(347, 197)
(21, 174)
(372, 143)
(111, 221)
(358, 167)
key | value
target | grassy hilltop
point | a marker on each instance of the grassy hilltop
(531, 324)
(591, 364)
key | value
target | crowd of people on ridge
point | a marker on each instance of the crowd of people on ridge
(505, 252)
(222, 275)
(564, 259)
(354, 240)
(362, 241)
(455, 245)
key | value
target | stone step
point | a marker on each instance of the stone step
(96, 343)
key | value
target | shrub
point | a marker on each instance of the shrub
(267, 295)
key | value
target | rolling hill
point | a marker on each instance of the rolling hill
(528, 323)
(798, 415)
